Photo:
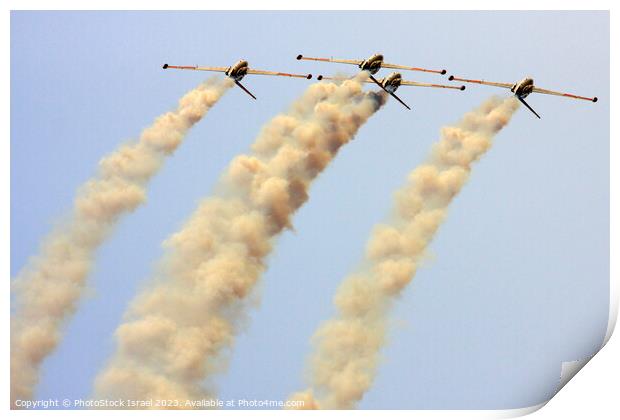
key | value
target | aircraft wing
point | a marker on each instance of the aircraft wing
(330, 60)
(432, 85)
(568, 95)
(396, 66)
(482, 82)
(275, 73)
(220, 69)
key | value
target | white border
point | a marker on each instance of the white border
(601, 381)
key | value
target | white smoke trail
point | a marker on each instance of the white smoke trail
(47, 289)
(177, 331)
(346, 348)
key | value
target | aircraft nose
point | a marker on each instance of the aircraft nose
(165, 66)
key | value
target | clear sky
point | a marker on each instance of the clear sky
(519, 276)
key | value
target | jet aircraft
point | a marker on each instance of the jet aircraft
(392, 82)
(373, 64)
(522, 89)
(238, 71)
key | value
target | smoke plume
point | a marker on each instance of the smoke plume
(178, 331)
(346, 348)
(47, 289)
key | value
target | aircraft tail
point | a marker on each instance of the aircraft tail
(528, 106)
(244, 89)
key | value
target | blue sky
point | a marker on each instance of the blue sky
(519, 277)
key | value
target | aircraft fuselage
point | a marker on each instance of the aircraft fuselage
(523, 88)
(372, 64)
(238, 70)
(392, 82)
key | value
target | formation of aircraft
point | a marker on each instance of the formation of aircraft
(389, 84)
